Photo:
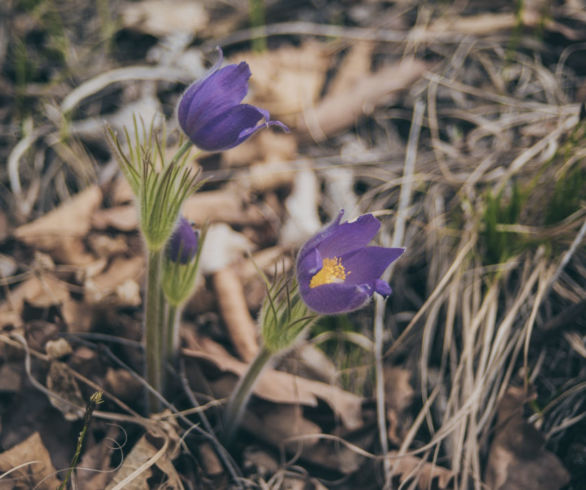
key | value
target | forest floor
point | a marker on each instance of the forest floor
(459, 125)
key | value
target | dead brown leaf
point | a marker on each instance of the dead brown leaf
(268, 146)
(119, 283)
(281, 423)
(239, 323)
(40, 291)
(285, 388)
(398, 396)
(122, 218)
(354, 65)
(58, 230)
(69, 400)
(518, 459)
(341, 110)
(36, 470)
(413, 468)
(225, 206)
(289, 79)
(164, 17)
(149, 451)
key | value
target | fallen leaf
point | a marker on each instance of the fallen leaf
(340, 111)
(122, 218)
(165, 17)
(281, 387)
(301, 204)
(222, 247)
(409, 468)
(277, 424)
(70, 220)
(353, 67)
(518, 459)
(241, 327)
(288, 79)
(268, 146)
(148, 451)
(69, 401)
(112, 285)
(40, 291)
(398, 397)
(225, 206)
(36, 469)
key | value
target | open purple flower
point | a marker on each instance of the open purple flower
(211, 114)
(182, 246)
(337, 272)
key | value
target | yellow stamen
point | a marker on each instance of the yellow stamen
(332, 271)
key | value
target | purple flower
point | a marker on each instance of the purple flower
(337, 272)
(211, 114)
(182, 246)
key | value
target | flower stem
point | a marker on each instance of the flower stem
(181, 151)
(153, 327)
(239, 398)
(172, 331)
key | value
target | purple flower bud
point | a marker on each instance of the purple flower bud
(337, 272)
(182, 246)
(211, 114)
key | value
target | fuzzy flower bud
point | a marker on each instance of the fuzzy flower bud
(182, 246)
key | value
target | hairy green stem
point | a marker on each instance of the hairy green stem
(184, 148)
(239, 398)
(172, 332)
(153, 326)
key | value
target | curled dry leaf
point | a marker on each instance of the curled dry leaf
(36, 468)
(426, 475)
(270, 260)
(113, 284)
(40, 291)
(303, 220)
(288, 79)
(122, 218)
(61, 382)
(340, 111)
(285, 388)
(267, 146)
(241, 326)
(225, 206)
(59, 231)
(356, 62)
(518, 459)
(137, 468)
(281, 423)
(398, 396)
(222, 247)
(165, 17)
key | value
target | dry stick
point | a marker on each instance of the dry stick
(221, 451)
(404, 199)
(95, 400)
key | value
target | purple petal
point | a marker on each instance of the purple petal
(182, 246)
(314, 241)
(207, 99)
(334, 298)
(382, 287)
(349, 236)
(226, 129)
(308, 266)
(366, 265)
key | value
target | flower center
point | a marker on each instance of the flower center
(332, 271)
